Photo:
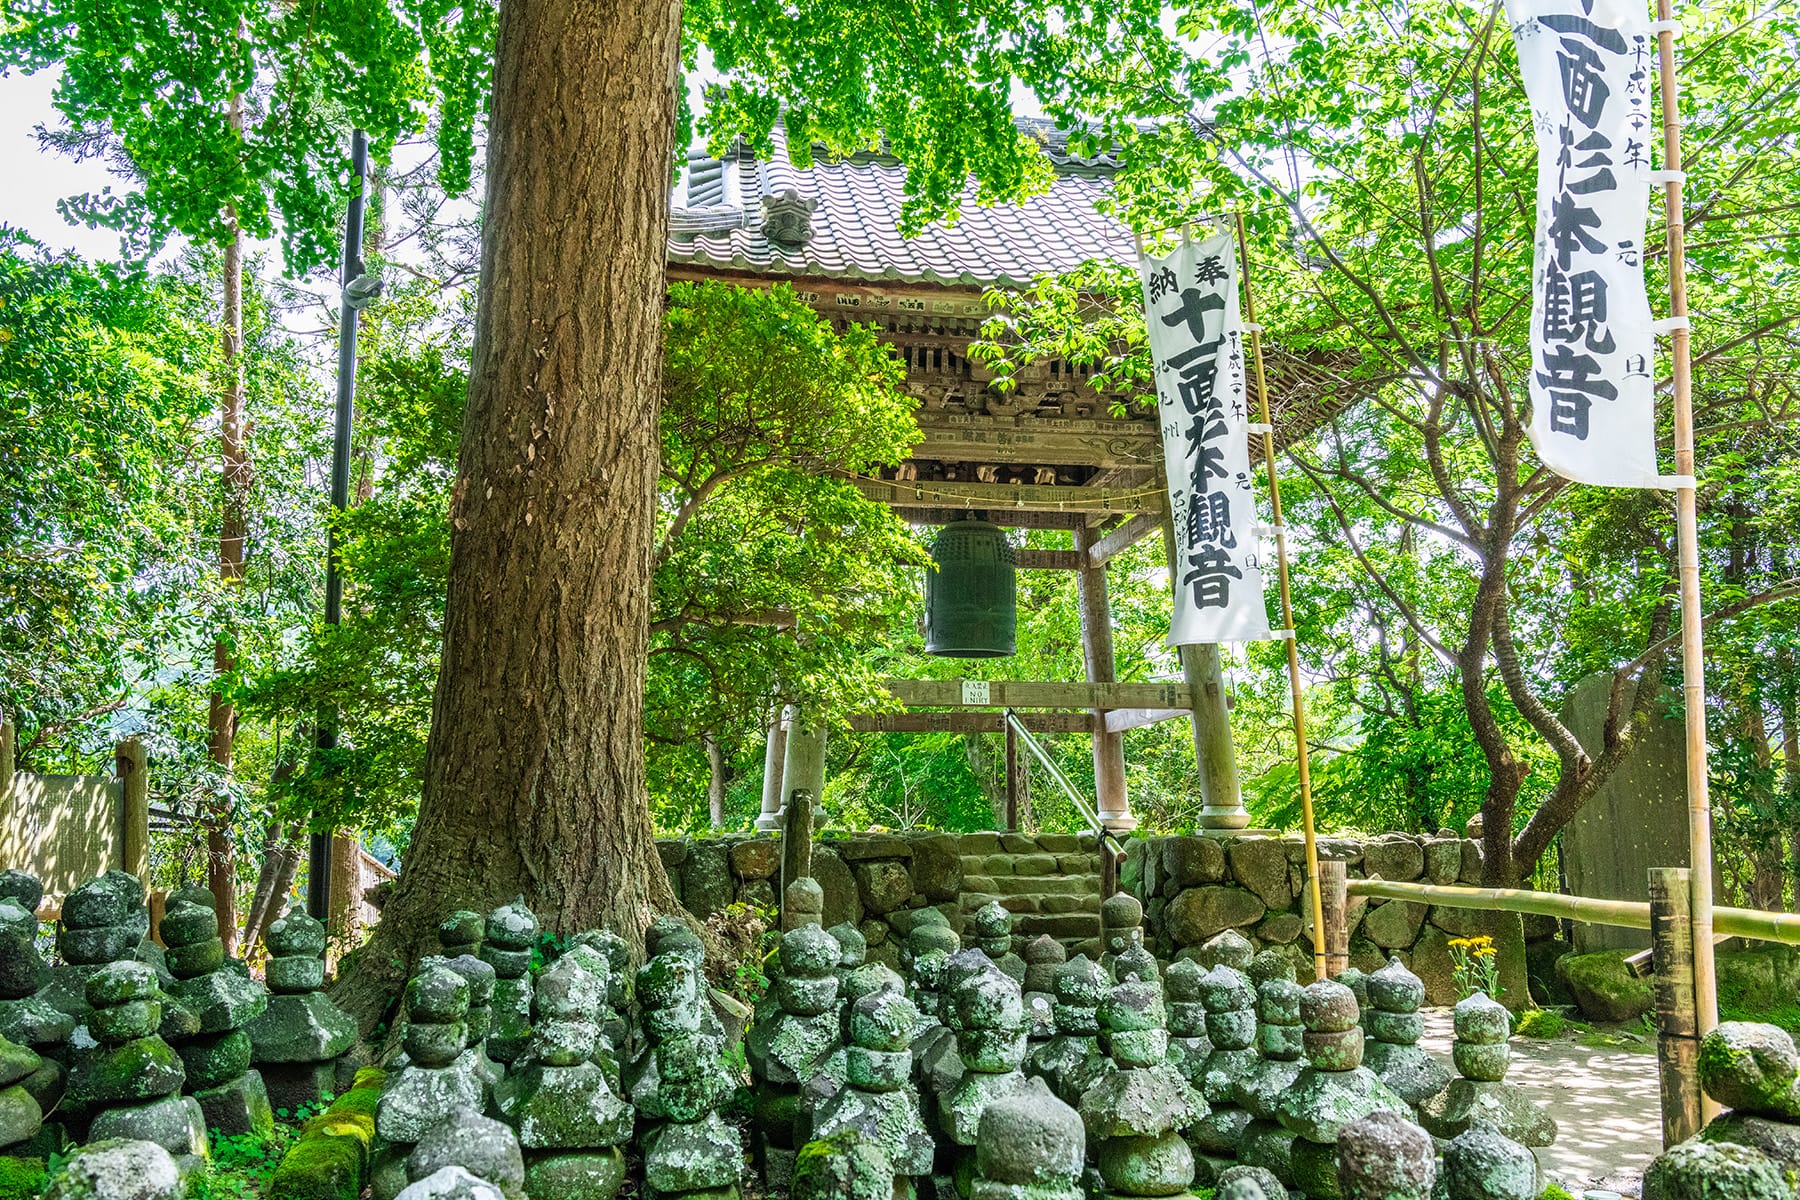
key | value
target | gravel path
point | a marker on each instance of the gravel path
(1605, 1102)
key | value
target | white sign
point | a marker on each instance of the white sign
(975, 691)
(1197, 343)
(1588, 67)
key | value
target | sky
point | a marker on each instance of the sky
(36, 180)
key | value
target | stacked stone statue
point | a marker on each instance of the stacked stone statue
(506, 940)
(1138, 1112)
(787, 1046)
(992, 926)
(936, 1067)
(1072, 1061)
(1482, 1095)
(103, 920)
(1484, 1164)
(1395, 1026)
(296, 1041)
(25, 1017)
(224, 1000)
(1231, 1028)
(680, 1082)
(1121, 925)
(1044, 957)
(466, 1156)
(1280, 1042)
(131, 1082)
(21, 1117)
(986, 1011)
(481, 979)
(559, 1101)
(1189, 1047)
(876, 1103)
(435, 1082)
(1030, 1146)
(1333, 1089)
(1752, 1148)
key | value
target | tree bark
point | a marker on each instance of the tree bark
(715, 782)
(221, 717)
(534, 779)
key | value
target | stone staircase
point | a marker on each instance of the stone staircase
(1050, 883)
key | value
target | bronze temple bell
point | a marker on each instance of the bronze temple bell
(971, 598)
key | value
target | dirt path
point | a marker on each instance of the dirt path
(1605, 1102)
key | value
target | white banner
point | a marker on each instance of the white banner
(1588, 67)
(1197, 343)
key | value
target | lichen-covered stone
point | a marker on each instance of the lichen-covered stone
(1384, 1156)
(117, 1169)
(559, 1107)
(1261, 865)
(594, 1175)
(1246, 1182)
(1753, 1068)
(1320, 1103)
(173, 1122)
(450, 1183)
(1147, 1166)
(237, 1106)
(845, 1167)
(1483, 1164)
(692, 1156)
(1604, 987)
(1200, 912)
(300, 1029)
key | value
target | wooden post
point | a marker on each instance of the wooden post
(774, 760)
(1109, 868)
(131, 764)
(1693, 661)
(1110, 801)
(1222, 804)
(1302, 759)
(1012, 779)
(796, 839)
(8, 765)
(1678, 1039)
(715, 782)
(1333, 915)
(343, 902)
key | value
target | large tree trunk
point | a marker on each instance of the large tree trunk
(534, 779)
(221, 717)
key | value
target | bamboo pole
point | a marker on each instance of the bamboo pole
(1626, 914)
(1693, 669)
(1334, 915)
(1301, 758)
(1677, 1047)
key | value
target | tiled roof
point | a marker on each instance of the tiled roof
(719, 217)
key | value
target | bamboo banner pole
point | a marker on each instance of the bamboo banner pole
(1693, 669)
(1287, 605)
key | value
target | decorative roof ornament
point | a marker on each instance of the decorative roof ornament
(787, 219)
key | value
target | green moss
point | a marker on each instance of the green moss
(358, 1100)
(1552, 1192)
(1543, 1024)
(369, 1077)
(22, 1178)
(321, 1168)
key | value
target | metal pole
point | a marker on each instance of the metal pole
(1693, 668)
(318, 863)
(1301, 758)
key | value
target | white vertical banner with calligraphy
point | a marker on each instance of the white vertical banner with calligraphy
(1588, 67)
(1197, 342)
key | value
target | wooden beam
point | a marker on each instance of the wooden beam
(1121, 719)
(949, 693)
(969, 722)
(1022, 497)
(1011, 518)
(1049, 441)
(1049, 560)
(1124, 537)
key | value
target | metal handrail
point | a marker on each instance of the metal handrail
(1081, 805)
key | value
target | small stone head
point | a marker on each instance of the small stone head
(1119, 914)
(1133, 1018)
(993, 929)
(987, 1011)
(853, 948)
(461, 933)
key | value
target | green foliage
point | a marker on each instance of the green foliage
(22, 1178)
(241, 1166)
(747, 934)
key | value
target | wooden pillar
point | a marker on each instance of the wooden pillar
(796, 839)
(1222, 805)
(1334, 915)
(8, 764)
(1677, 1027)
(1012, 779)
(774, 762)
(1110, 800)
(131, 764)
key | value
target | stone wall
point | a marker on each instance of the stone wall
(1050, 882)
(1194, 887)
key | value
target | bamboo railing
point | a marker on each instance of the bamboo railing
(1631, 914)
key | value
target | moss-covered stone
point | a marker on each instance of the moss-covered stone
(1604, 987)
(1698, 1170)
(321, 1167)
(22, 1178)
(595, 1175)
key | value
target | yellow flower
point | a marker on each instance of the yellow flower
(1458, 943)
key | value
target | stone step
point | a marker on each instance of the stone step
(1038, 864)
(1061, 926)
(1046, 885)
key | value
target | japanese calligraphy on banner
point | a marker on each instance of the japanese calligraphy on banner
(1197, 341)
(1588, 67)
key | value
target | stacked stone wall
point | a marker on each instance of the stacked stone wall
(876, 881)
(1194, 887)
